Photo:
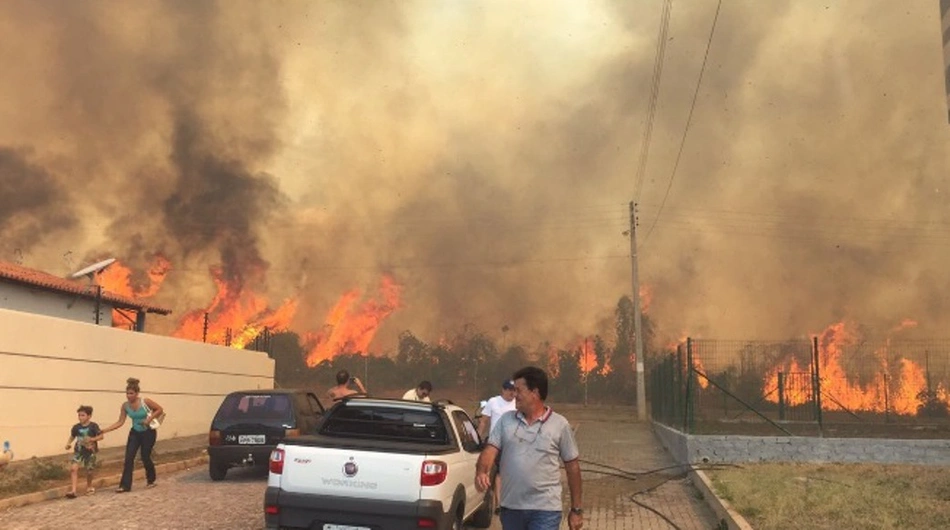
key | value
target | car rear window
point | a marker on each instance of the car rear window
(256, 407)
(385, 423)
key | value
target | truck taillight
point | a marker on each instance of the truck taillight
(433, 473)
(277, 461)
(425, 522)
(214, 437)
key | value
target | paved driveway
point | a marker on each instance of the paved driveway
(189, 500)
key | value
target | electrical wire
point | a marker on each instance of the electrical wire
(654, 95)
(689, 121)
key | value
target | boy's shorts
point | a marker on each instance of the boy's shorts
(85, 460)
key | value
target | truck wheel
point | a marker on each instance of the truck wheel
(217, 471)
(483, 516)
(458, 523)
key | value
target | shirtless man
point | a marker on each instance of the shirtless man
(342, 388)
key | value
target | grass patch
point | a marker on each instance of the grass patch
(837, 496)
(39, 474)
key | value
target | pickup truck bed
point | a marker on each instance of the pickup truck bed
(376, 464)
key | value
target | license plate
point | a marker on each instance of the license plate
(250, 439)
(344, 527)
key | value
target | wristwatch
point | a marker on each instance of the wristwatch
(578, 511)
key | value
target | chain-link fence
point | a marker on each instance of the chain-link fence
(832, 384)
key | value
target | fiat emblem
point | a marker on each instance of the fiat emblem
(350, 469)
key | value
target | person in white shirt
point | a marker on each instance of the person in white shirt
(495, 407)
(420, 393)
(493, 410)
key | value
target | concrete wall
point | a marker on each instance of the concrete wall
(50, 366)
(28, 299)
(724, 449)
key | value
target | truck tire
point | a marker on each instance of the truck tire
(483, 516)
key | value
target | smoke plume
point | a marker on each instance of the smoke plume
(483, 154)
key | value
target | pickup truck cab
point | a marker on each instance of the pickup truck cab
(379, 464)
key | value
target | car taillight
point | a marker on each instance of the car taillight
(214, 437)
(433, 473)
(272, 509)
(291, 433)
(277, 461)
(425, 522)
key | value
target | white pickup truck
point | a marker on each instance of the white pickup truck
(379, 464)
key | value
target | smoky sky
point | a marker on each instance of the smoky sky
(31, 201)
(483, 154)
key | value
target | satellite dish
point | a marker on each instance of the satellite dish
(93, 269)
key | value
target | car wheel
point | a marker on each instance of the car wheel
(217, 470)
(483, 515)
(457, 522)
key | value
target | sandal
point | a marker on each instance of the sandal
(71, 495)
(150, 485)
(121, 490)
(91, 491)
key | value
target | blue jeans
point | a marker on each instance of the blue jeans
(529, 519)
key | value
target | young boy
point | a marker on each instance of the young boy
(87, 434)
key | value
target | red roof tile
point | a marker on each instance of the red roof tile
(25, 275)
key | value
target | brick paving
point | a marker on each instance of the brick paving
(631, 446)
(189, 500)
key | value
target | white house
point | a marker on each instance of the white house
(34, 291)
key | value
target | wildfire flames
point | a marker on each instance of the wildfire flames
(896, 391)
(237, 314)
(349, 329)
(120, 280)
(588, 359)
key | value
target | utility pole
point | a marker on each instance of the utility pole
(641, 380)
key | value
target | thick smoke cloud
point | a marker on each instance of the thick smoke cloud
(31, 202)
(483, 154)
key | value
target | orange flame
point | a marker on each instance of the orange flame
(119, 279)
(698, 366)
(235, 316)
(587, 357)
(839, 390)
(351, 331)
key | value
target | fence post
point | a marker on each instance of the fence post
(887, 406)
(816, 381)
(688, 419)
(678, 385)
(204, 329)
(781, 396)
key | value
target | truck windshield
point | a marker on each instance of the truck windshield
(387, 423)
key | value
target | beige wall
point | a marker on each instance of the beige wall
(49, 366)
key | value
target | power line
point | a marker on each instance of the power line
(654, 94)
(689, 120)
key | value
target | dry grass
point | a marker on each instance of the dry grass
(838, 496)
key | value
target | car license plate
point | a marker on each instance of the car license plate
(250, 439)
(343, 527)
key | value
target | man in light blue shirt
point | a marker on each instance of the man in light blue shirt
(533, 441)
